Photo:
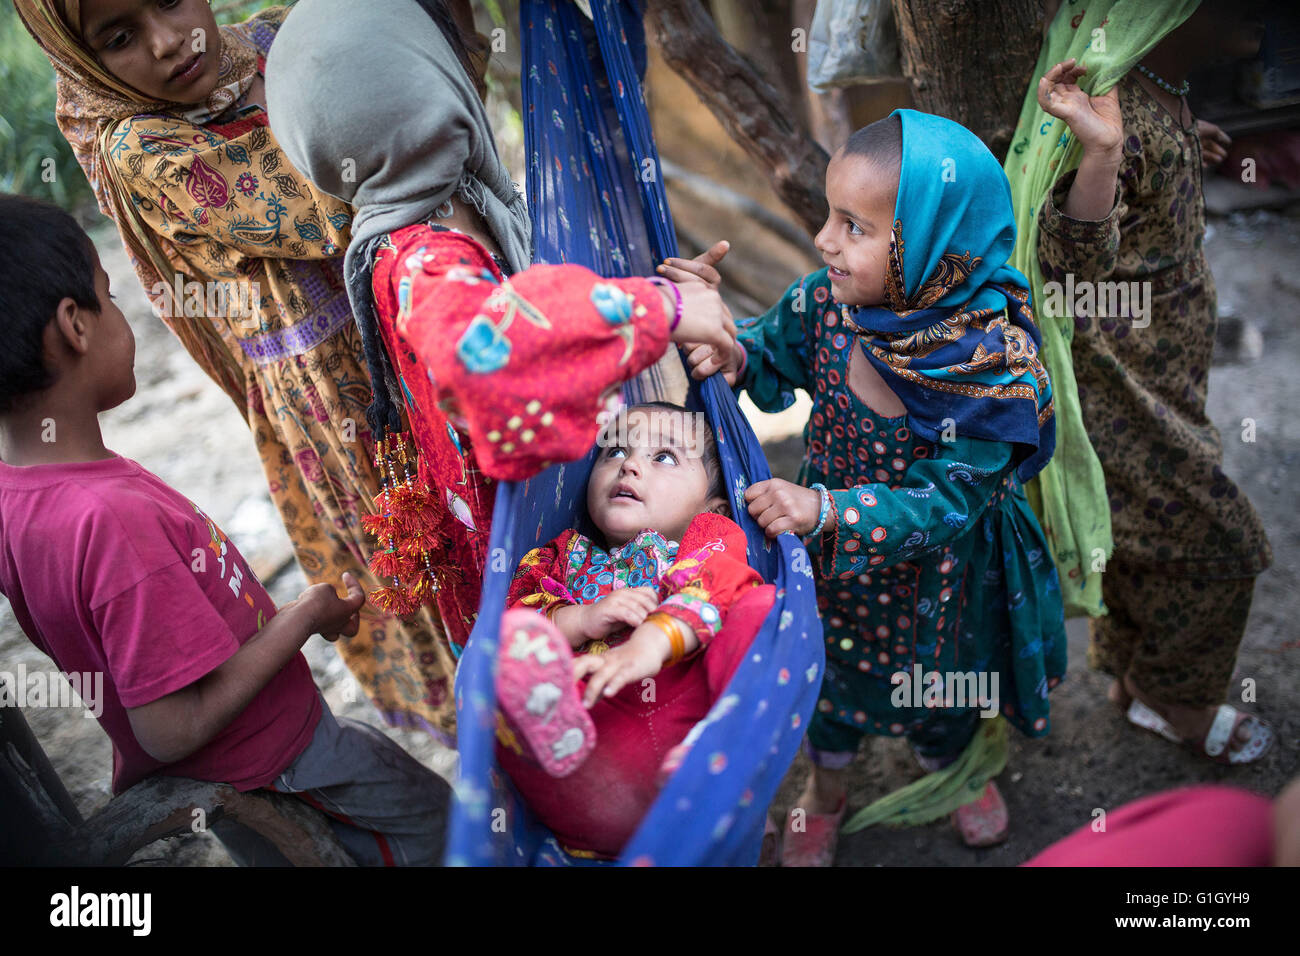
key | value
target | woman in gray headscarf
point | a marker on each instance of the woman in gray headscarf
(502, 368)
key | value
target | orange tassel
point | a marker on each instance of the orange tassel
(399, 503)
(379, 526)
(425, 587)
(411, 552)
(429, 541)
(449, 574)
(410, 514)
(386, 563)
(421, 517)
(408, 567)
(394, 600)
(411, 522)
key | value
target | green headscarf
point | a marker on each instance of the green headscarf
(1069, 495)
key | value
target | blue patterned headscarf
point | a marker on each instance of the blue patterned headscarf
(956, 338)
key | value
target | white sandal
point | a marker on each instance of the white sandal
(1215, 744)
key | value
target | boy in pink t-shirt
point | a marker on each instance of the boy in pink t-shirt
(112, 572)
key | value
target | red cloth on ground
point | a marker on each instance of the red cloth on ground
(111, 571)
(1192, 826)
(598, 807)
(501, 378)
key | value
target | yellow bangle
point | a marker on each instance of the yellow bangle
(676, 639)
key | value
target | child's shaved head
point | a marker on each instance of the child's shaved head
(881, 143)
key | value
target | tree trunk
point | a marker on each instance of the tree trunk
(760, 32)
(159, 808)
(971, 60)
(757, 115)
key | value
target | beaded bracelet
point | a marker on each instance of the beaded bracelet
(677, 294)
(676, 640)
(826, 508)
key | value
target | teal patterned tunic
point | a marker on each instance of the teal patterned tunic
(937, 561)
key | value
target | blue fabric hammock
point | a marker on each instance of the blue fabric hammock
(596, 199)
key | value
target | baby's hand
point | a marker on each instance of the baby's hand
(332, 615)
(624, 608)
(779, 505)
(1214, 142)
(1095, 120)
(642, 655)
(701, 267)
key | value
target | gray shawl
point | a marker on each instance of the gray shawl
(372, 104)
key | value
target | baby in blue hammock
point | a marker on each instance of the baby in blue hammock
(647, 622)
(930, 409)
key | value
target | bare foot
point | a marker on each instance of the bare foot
(812, 828)
(824, 792)
(1118, 696)
(1189, 723)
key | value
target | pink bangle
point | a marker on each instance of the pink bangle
(677, 294)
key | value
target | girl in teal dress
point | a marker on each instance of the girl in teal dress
(939, 601)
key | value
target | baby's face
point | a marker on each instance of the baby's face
(855, 240)
(649, 473)
(169, 50)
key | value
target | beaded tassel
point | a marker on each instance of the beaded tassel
(420, 527)
(407, 530)
(384, 561)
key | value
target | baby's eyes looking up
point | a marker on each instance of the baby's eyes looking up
(663, 456)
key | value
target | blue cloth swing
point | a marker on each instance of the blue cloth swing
(597, 199)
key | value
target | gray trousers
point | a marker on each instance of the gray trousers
(386, 808)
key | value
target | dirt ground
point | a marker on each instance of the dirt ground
(183, 428)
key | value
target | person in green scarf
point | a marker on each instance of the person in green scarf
(1106, 169)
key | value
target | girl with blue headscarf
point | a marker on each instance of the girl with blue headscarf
(939, 600)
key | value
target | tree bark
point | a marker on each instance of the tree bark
(158, 808)
(760, 32)
(758, 116)
(971, 60)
